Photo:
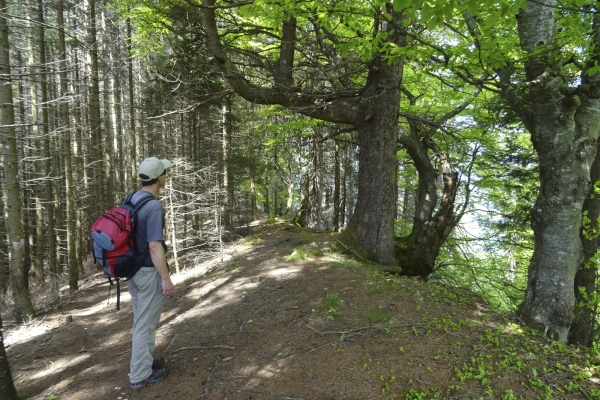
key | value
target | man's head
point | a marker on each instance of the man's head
(151, 170)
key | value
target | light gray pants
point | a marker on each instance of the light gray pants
(147, 301)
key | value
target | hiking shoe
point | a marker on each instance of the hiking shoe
(154, 377)
(158, 363)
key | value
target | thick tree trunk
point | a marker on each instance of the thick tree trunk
(7, 385)
(564, 129)
(418, 252)
(372, 224)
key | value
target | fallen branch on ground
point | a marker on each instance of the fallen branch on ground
(204, 348)
(211, 377)
(344, 332)
(352, 251)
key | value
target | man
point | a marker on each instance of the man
(149, 286)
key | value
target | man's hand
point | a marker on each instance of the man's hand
(157, 253)
(167, 286)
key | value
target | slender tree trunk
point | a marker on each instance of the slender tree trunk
(316, 190)
(98, 177)
(7, 385)
(336, 188)
(48, 157)
(38, 188)
(225, 159)
(23, 308)
(135, 159)
(80, 166)
(73, 260)
(251, 174)
(172, 226)
(108, 138)
(267, 205)
(581, 332)
(4, 267)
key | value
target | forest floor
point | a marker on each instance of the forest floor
(286, 315)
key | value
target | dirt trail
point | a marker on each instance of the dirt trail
(283, 317)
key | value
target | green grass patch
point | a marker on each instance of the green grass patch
(376, 316)
(298, 255)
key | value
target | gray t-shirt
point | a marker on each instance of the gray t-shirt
(150, 221)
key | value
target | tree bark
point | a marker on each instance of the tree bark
(23, 308)
(336, 188)
(7, 385)
(227, 176)
(73, 260)
(49, 206)
(582, 329)
(38, 187)
(564, 130)
(134, 159)
(95, 126)
(584, 324)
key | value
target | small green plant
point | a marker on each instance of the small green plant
(271, 220)
(509, 395)
(70, 380)
(53, 397)
(255, 241)
(331, 306)
(423, 395)
(386, 383)
(297, 255)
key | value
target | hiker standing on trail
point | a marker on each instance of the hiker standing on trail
(149, 286)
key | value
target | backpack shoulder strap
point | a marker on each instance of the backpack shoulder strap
(141, 202)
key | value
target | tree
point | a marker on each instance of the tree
(23, 309)
(7, 385)
(553, 87)
(65, 123)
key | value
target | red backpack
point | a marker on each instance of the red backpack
(114, 241)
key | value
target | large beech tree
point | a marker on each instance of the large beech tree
(546, 71)
(372, 107)
(564, 121)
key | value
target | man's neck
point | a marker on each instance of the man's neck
(154, 189)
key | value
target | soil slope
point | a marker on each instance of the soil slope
(286, 315)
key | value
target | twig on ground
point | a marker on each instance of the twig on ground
(203, 348)
(585, 394)
(172, 340)
(344, 332)
(350, 250)
(290, 324)
(211, 377)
